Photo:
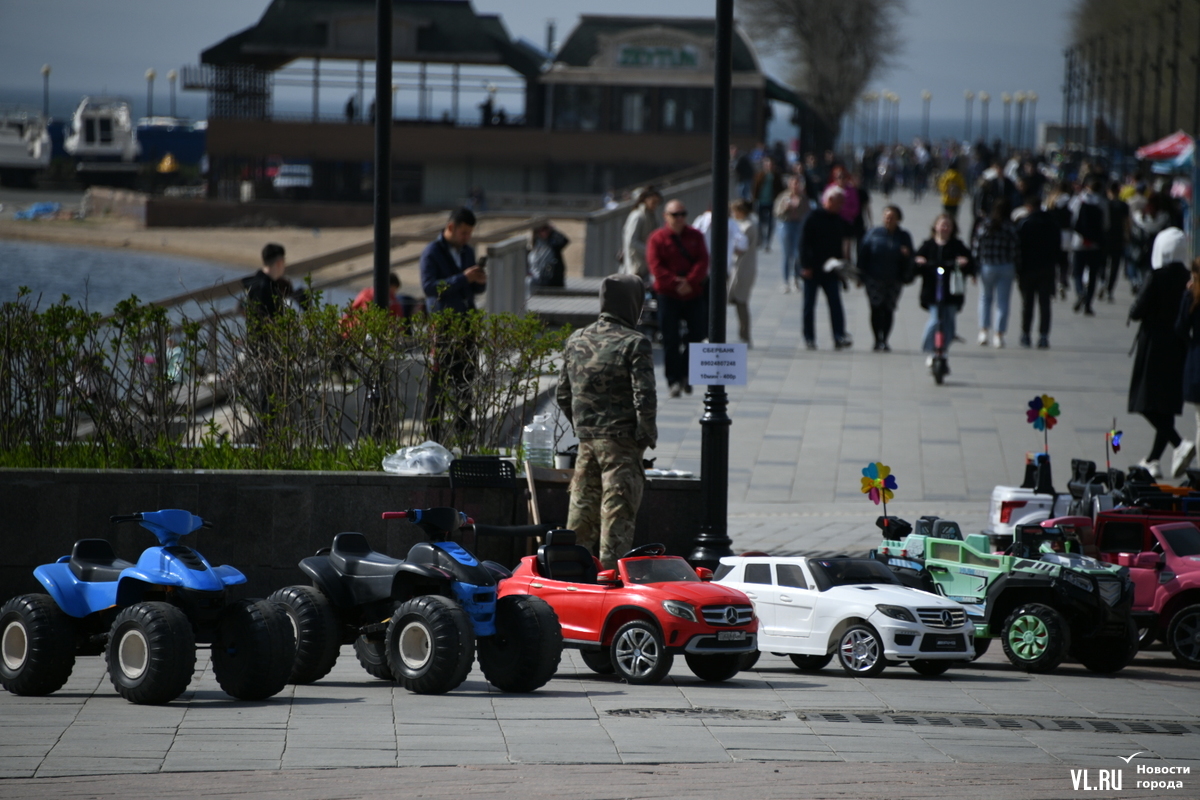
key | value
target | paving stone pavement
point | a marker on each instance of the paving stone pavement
(807, 422)
(802, 430)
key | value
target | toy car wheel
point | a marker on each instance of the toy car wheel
(372, 655)
(860, 651)
(638, 653)
(254, 651)
(981, 647)
(1146, 636)
(525, 652)
(748, 660)
(316, 629)
(1183, 636)
(714, 667)
(430, 644)
(811, 663)
(929, 668)
(37, 645)
(598, 661)
(1108, 653)
(1035, 637)
(151, 653)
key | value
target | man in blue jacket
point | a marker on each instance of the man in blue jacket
(449, 274)
(451, 279)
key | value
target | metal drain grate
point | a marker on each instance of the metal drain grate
(722, 713)
(1007, 723)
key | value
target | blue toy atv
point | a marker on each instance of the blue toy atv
(417, 621)
(147, 618)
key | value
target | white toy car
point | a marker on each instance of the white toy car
(854, 608)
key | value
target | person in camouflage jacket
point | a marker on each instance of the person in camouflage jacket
(606, 389)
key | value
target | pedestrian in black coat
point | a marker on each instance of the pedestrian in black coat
(1156, 386)
(1187, 326)
(1041, 250)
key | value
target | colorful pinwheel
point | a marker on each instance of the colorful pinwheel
(879, 484)
(1043, 412)
(1115, 438)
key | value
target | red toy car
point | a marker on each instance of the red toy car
(634, 619)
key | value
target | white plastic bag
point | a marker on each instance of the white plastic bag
(427, 458)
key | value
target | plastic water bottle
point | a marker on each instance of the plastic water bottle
(538, 442)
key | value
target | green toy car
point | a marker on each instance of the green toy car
(1042, 598)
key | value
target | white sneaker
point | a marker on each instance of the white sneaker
(929, 361)
(998, 340)
(1152, 467)
(983, 337)
(1184, 454)
(787, 288)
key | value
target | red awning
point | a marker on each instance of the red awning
(1164, 149)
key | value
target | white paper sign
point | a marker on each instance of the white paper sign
(717, 364)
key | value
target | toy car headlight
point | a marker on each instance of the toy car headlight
(1077, 580)
(896, 612)
(682, 610)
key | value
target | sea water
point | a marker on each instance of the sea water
(99, 278)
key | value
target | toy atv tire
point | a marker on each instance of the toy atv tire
(316, 629)
(638, 653)
(1183, 636)
(1107, 653)
(372, 655)
(1035, 637)
(811, 663)
(151, 653)
(37, 645)
(430, 644)
(254, 651)
(598, 661)
(930, 668)
(714, 667)
(524, 653)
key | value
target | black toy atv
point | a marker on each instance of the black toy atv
(419, 620)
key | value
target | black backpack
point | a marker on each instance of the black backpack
(1089, 223)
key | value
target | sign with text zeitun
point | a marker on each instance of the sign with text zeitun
(717, 364)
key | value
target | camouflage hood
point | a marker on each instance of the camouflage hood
(622, 296)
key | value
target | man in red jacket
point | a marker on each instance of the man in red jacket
(678, 262)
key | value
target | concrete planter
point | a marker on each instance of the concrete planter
(265, 522)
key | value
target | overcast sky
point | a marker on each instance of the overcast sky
(107, 45)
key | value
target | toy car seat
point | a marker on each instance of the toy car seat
(561, 559)
(95, 561)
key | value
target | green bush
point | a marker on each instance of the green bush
(323, 388)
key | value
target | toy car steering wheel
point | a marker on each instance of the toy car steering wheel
(647, 550)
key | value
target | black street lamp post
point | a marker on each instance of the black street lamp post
(172, 76)
(383, 149)
(712, 542)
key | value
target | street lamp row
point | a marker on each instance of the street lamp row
(151, 74)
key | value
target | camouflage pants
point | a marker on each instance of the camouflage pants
(605, 495)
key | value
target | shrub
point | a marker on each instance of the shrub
(318, 388)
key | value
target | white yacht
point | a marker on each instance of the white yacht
(102, 129)
(24, 145)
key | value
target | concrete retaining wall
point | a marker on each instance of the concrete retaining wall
(265, 522)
